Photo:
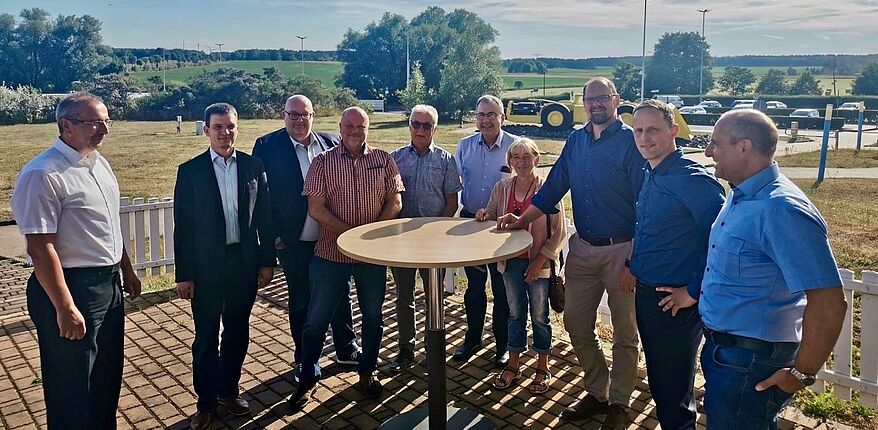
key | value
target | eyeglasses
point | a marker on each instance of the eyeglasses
(599, 99)
(94, 123)
(297, 115)
(488, 115)
(422, 125)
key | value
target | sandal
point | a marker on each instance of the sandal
(501, 383)
(540, 387)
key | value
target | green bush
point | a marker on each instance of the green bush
(25, 105)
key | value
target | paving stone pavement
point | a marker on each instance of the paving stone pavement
(157, 385)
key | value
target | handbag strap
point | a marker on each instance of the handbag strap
(549, 236)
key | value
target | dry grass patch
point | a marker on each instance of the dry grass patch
(836, 158)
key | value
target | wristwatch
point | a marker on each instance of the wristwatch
(806, 379)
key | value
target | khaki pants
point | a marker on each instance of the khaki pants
(590, 271)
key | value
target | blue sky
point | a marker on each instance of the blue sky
(556, 28)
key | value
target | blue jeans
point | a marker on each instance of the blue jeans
(296, 261)
(731, 373)
(520, 294)
(329, 286)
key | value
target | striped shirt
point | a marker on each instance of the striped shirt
(355, 190)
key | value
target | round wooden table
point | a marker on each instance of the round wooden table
(434, 243)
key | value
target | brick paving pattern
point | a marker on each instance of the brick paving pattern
(157, 385)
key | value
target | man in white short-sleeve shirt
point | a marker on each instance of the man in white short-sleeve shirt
(66, 203)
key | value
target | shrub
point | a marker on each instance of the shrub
(25, 105)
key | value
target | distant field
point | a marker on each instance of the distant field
(556, 78)
(324, 71)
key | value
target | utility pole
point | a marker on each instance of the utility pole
(164, 70)
(703, 13)
(643, 58)
(220, 45)
(408, 64)
(302, 53)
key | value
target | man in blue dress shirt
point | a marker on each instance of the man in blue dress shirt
(602, 169)
(676, 207)
(771, 301)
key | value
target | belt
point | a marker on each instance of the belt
(752, 344)
(604, 241)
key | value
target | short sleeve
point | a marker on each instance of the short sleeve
(36, 204)
(392, 179)
(315, 181)
(452, 177)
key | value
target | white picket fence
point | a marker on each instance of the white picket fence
(151, 245)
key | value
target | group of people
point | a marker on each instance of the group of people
(679, 261)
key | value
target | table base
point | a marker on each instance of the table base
(458, 419)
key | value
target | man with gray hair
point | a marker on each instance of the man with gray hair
(481, 159)
(772, 302)
(66, 204)
(429, 174)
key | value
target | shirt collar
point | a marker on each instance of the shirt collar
(74, 157)
(312, 140)
(753, 184)
(665, 164)
(496, 142)
(214, 155)
(430, 148)
(344, 150)
(608, 132)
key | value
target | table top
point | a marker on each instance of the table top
(432, 242)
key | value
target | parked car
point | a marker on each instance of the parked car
(849, 106)
(710, 104)
(692, 109)
(805, 113)
(775, 105)
(743, 101)
(742, 106)
(670, 99)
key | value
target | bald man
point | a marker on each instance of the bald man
(287, 154)
(350, 185)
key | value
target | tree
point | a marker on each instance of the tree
(469, 72)
(49, 55)
(626, 76)
(114, 89)
(518, 85)
(735, 80)
(674, 67)
(791, 71)
(805, 85)
(417, 91)
(772, 82)
(867, 82)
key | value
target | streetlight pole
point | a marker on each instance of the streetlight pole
(408, 64)
(302, 53)
(701, 69)
(643, 58)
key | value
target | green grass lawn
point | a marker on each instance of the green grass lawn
(840, 158)
(324, 71)
(556, 78)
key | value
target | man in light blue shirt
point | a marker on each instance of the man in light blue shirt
(771, 300)
(429, 174)
(481, 159)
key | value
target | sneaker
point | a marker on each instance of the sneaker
(585, 408)
(617, 418)
(403, 361)
(353, 359)
(369, 386)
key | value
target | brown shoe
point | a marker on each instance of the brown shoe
(236, 406)
(201, 420)
(585, 408)
(617, 418)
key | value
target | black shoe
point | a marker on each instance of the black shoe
(351, 359)
(585, 408)
(301, 396)
(466, 351)
(501, 359)
(403, 361)
(369, 386)
(617, 418)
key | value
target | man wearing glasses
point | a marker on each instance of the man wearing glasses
(66, 204)
(603, 170)
(481, 158)
(429, 174)
(287, 154)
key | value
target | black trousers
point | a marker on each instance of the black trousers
(81, 378)
(217, 365)
(670, 345)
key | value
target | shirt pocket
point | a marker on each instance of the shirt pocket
(727, 256)
(374, 181)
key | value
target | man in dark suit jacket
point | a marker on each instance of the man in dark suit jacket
(223, 251)
(287, 155)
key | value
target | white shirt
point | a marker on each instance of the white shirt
(75, 197)
(306, 154)
(226, 172)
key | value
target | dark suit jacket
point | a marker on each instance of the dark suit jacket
(289, 206)
(200, 227)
